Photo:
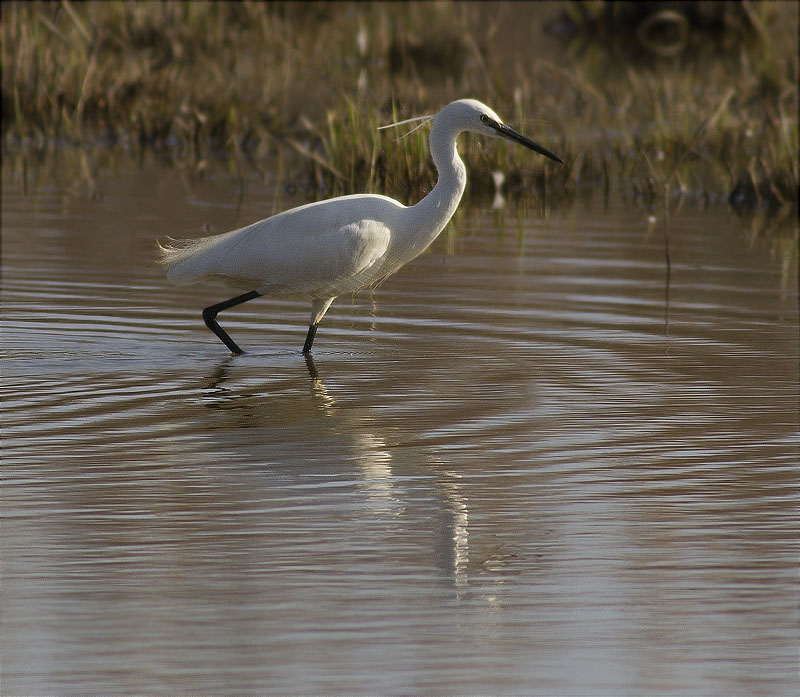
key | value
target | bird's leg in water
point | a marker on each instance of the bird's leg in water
(318, 309)
(312, 332)
(210, 315)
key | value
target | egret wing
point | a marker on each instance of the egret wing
(330, 262)
(321, 249)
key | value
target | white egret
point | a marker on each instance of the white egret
(341, 245)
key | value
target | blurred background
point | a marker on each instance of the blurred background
(648, 97)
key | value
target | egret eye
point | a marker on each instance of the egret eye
(485, 118)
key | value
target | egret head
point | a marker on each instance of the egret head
(472, 115)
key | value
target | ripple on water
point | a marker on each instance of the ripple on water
(525, 465)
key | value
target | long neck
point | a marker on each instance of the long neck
(434, 211)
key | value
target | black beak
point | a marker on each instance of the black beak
(511, 134)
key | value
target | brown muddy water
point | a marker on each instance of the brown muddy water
(524, 465)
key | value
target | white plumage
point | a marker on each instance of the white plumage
(264, 256)
(326, 249)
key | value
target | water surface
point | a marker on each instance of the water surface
(523, 465)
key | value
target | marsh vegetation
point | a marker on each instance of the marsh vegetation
(651, 99)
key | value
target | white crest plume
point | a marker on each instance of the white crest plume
(424, 120)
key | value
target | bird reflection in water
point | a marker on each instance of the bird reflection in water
(274, 426)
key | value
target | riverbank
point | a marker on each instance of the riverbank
(719, 117)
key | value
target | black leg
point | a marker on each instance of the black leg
(312, 331)
(210, 314)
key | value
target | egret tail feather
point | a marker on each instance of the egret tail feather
(189, 260)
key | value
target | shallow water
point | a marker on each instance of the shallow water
(523, 465)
